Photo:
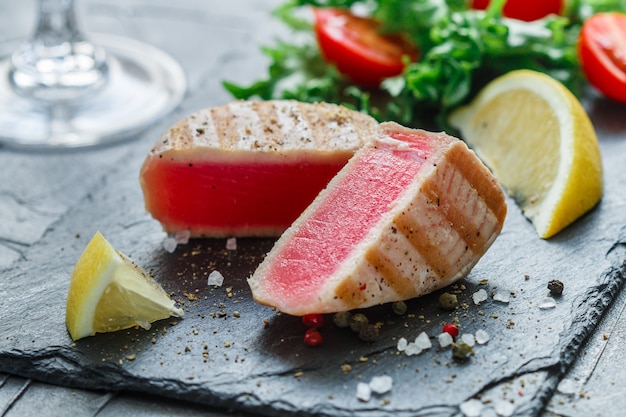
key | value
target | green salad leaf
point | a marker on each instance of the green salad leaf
(461, 50)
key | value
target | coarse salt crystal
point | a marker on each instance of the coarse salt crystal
(231, 243)
(412, 349)
(216, 279)
(503, 296)
(471, 408)
(567, 386)
(504, 408)
(547, 303)
(182, 237)
(169, 244)
(381, 384)
(363, 392)
(469, 339)
(479, 296)
(445, 339)
(402, 344)
(481, 337)
(423, 341)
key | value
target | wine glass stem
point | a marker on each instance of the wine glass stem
(57, 63)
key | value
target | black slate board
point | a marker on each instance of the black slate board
(267, 369)
(258, 362)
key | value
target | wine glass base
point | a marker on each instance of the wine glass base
(144, 85)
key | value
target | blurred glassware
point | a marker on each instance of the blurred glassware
(59, 90)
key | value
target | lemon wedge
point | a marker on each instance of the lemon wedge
(539, 142)
(108, 292)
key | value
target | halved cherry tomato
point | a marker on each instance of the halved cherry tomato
(527, 10)
(602, 53)
(356, 47)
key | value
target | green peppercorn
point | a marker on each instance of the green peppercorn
(358, 321)
(342, 319)
(399, 308)
(461, 350)
(448, 301)
(369, 333)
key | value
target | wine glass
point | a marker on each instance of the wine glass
(60, 90)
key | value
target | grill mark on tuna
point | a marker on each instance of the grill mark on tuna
(489, 191)
(391, 273)
(464, 208)
(223, 119)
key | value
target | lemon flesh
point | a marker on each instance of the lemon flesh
(108, 292)
(540, 144)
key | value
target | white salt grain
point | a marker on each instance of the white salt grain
(402, 344)
(231, 243)
(567, 386)
(479, 296)
(503, 296)
(216, 279)
(504, 408)
(381, 384)
(423, 341)
(169, 244)
(547, 303)
(182, 237)
(363, 392)
(481, 337)
(445, 339)
(471, 408)
(412, 349)
(469, 339)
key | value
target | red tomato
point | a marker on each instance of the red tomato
(602, 53)
(527, 10)
(356, 47)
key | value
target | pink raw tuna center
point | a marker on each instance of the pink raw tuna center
(345, 217)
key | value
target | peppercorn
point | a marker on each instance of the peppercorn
(313, 320)
(369, 333)
(448, 301)
(342, 319)
(399, 307)
(358, 321)
(556, 287)
(451, 329)
(312, 337)
(461, 350)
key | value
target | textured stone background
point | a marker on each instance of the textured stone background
(51, 204)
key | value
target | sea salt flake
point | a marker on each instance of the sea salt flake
(381, 384)
(445, 339)
(479, 296)
(471, 408)
(169, 244)
(412, 349)
(231, 243)
(402, 344)
(481, 337)
(504, 408)
(182, 237)
(216, 279)
(503, 296)
(363, 392)
(547, 303)
(469, 339)
(423, 341)
(567, 386)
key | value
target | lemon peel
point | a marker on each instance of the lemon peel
(539, 142)
(108, 292)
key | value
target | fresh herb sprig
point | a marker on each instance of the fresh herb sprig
(461, 50)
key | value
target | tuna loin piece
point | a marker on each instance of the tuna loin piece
(410, 213)
(248, 168)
